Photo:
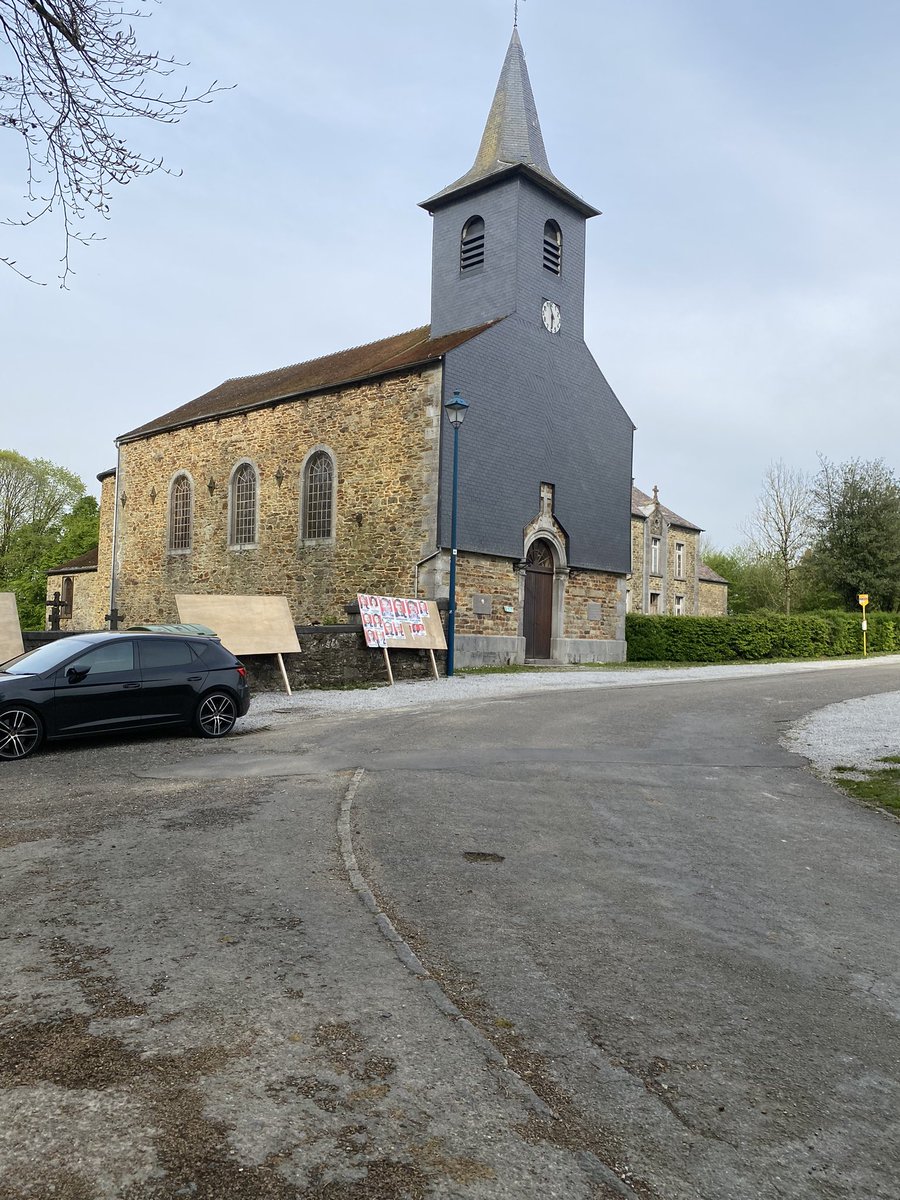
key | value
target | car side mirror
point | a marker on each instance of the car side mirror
(76, 674)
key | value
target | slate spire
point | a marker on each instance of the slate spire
(512, 140)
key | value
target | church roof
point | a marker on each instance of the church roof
(642, 504)
(403, 351)
(84, 562)
(512, 140)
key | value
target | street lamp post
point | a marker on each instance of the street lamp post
(456, 410)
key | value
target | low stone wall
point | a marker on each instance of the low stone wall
(332, 656)
(335, 656)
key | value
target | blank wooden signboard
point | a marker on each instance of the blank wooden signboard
(10, 630)
(245, 624)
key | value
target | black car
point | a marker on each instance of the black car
(104, 682)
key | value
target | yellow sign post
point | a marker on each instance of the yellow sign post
(863, 601)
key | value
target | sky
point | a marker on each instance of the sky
(743, 282)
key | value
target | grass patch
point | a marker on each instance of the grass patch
(840, 770)
(891, 758)
(880, 788)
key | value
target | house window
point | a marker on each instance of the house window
(318, 497)
(242, 501)
(553, 248)
(654, 556)
(180, 504)
(654, 602)
(471, 250)
(679, 606)
(68, 592)
(679, 560)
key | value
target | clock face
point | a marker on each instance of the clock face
(551, 316)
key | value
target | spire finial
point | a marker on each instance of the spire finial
(516, 16)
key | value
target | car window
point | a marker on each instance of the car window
(165, 652)
(112, 659)
(45, 658)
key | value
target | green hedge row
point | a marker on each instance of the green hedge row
(764, 635)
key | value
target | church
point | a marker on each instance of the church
(334, 476)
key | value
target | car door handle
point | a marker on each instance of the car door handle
(194, 678)
(130, 687)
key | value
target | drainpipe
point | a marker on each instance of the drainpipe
(115, 539)
(421, 563)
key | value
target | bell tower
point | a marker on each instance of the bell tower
(509, 236)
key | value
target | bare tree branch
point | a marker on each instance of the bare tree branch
(781, 526)
(72, 73)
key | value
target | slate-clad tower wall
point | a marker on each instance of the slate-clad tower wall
(541, 410)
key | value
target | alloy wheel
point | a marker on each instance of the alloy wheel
(20, 733)
(216, 715)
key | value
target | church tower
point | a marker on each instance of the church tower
(509, 236)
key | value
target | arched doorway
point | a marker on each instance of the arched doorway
(538, 609)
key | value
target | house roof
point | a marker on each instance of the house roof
(707, 575)
(641, 502)
(512, 141)
(403, 351)
(84, 562)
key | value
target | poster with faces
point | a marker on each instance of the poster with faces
(397, 621)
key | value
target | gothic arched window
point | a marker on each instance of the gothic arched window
(471, 247)
(68, 594)
(318, 497)
(242, 504)
(553, 248)
(181, 496)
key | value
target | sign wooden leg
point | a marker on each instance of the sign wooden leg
(434, 664)
(287, 686)
(387, 663)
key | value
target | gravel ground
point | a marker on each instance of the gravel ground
(857, 732)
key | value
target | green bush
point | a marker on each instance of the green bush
(757, 636)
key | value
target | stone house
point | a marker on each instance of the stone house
(667, 574)
(334, 476)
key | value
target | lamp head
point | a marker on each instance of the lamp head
(456, 410)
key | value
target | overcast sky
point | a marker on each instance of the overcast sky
(743, 288)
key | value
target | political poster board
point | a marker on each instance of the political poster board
(401, 623)
(245, 624)
(11, 645)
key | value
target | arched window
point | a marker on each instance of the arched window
(68, 593)
(471, 249)
(553, 248)
(318, 496)
(242, 502)
(181, 497)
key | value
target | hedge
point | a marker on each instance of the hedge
(763, 635)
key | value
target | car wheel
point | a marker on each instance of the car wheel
(21, 732)
(215, 716)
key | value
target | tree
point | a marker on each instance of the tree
(45, 519)
(75, 74)
(781, 526)
(857, 548)
(34, 493)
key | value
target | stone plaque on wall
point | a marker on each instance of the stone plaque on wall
(595, 611)
(483, 606)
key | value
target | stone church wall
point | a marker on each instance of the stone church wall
(384, 437)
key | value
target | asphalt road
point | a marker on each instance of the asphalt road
(642, 951)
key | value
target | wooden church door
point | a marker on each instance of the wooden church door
(538, 616)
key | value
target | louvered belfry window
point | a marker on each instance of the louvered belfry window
(553, 248)
(471, 251)
(243, 506)
(318, 498)
(180, 514)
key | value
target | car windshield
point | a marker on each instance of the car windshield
(45, 658)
